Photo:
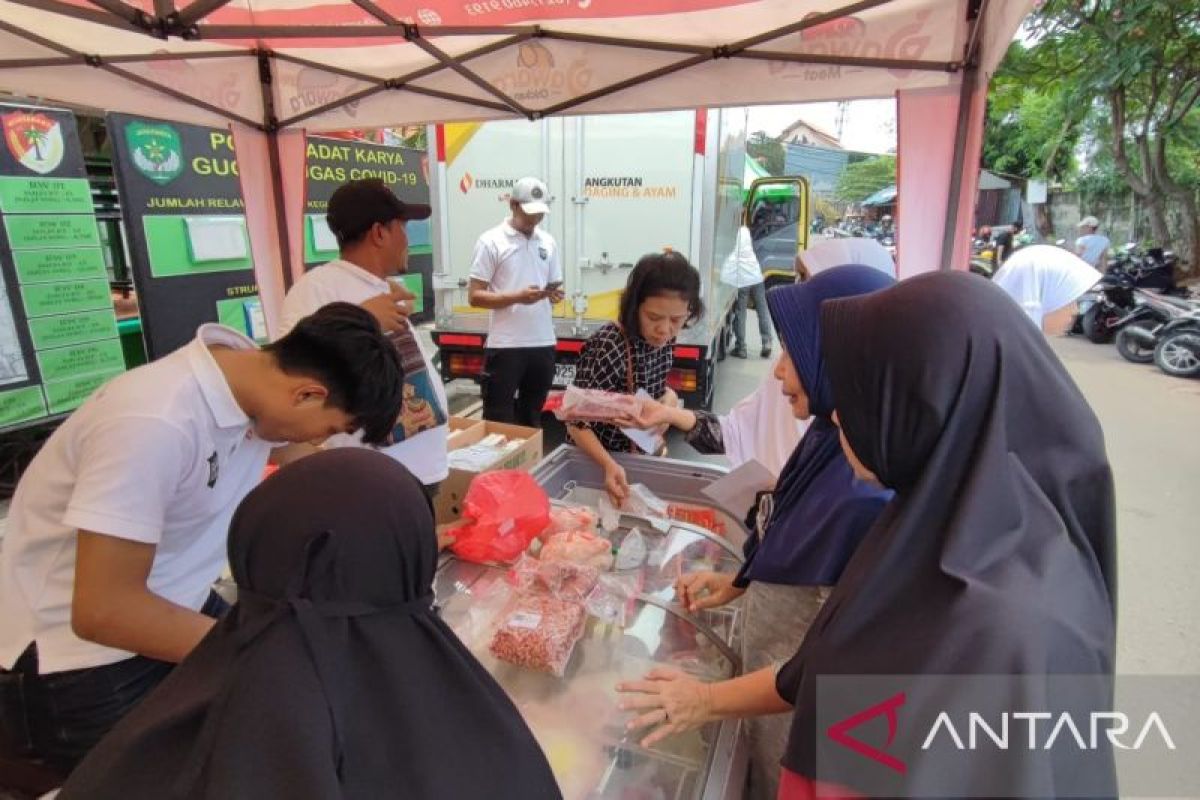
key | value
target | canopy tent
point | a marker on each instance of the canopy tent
(884, 197)
(274, 68)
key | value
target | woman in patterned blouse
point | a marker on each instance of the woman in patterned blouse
(661, 297)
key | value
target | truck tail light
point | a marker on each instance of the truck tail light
(466, 365)
(682, 380)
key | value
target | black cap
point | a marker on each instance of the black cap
(357, 205)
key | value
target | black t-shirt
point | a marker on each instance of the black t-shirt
(1004, 245)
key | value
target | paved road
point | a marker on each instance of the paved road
(1152, 427)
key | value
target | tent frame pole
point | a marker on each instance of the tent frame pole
(953, 198)
(270, 126)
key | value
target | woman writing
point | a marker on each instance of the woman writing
(661, 297)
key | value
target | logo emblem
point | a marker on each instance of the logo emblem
(35, 140)
(157, 150)
(543, 252)
(213, 470)
(536, 193)
(840, 732)
(466, 183)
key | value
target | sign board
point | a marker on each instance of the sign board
(181, 199)
(329, 163)
(1036, 191)
(58, 331)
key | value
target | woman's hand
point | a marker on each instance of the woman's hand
(697, 591)
(670, 700)
(615, 483)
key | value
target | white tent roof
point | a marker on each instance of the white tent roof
(336, 64)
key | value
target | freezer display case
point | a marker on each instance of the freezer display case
(630, 624)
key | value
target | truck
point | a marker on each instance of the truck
(622, 186)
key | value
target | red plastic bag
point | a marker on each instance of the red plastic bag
(503, 512)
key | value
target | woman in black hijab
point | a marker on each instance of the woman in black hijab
(331, 678)
(996, 557)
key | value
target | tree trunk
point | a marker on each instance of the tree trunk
(1156, 212)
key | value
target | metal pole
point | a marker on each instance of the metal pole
(956, 169)
(271, 127)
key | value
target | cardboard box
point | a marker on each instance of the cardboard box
(448, 503)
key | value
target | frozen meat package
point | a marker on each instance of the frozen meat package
(596, 405)
(538, 632)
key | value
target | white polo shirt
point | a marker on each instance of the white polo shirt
(341, 281)
(162, 455)
(508, 261)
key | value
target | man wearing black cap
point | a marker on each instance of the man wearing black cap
(369, 222)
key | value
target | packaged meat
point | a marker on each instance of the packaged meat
(697, 515)
(569, 518)
(578, 547)
(539, 632)
(562, 579)
(614, 598)
(596, 405)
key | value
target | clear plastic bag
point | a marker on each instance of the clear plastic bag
(614, 598)
(632, 552)
(596, 405)
(562, 579)
(539, 632)
(578, 547)
(570, 518)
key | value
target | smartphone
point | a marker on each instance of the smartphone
(554, 287)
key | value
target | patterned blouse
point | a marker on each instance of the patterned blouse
(604, 364)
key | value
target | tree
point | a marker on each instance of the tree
(1140, 59)
(863, 178)
(767, 151)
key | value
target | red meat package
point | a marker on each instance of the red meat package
(503, 511)
(539, 632)
(578, 547)
(561, 579)
(596, 405)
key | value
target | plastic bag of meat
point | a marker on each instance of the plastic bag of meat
(562, 579)
(614, 600)
(503, 511)
(569, 518)
(539, 632)
(596, 405)
(578, 547)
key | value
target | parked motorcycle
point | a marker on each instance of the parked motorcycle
(1178, 350)
(1138, 331)
(1112, 298)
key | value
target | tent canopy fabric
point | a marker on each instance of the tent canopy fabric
(337, 64)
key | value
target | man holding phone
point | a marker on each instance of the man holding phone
(516, 273)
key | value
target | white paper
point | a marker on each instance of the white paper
(738, 490)
(323, 238)
(217, 238)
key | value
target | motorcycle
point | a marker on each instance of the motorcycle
(1138, 331)
(983, 257)
(1112, 298)
(1177, 352)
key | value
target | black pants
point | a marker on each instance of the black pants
(66, 713)
(515, 384)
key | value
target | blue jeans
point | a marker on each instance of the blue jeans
(67, 713)
(759, 293)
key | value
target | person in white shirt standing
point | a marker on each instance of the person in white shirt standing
(1092, 246)
(369, 222)
(516, 273)
(117, 529)
(743, 272)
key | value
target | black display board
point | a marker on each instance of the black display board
(58, 331)
(329, 163)
(185, 223)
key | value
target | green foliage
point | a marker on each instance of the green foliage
(863, 178)
(767, 151)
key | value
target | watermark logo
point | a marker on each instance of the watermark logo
(538, 76)
(316, 88)
(840, 732)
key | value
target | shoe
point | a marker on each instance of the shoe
(739, 352)
(766, 351)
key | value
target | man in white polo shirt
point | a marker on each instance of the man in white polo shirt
(369, 223)
(117, 529)
(517, 274)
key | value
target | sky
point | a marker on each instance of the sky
(870, 124)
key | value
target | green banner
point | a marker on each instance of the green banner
(65, 298)
(415, 283)
(32, 231)
(60, 331)
(171, 253)
(81, 359)
(46, 266)
(21, 404)
(45, 196)
(69, 395)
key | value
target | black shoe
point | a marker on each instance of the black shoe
(739, 352)
(766, 351)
